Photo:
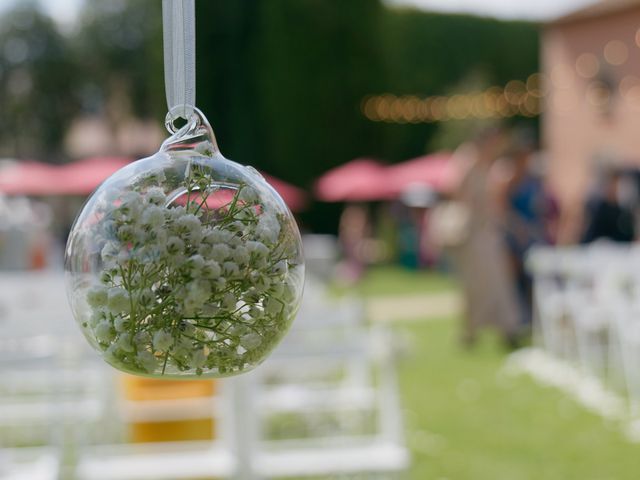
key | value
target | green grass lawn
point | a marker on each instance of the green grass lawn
(466, 420)
(392, 280)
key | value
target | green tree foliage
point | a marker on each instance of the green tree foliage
(119, 51)
(37, 76)
(281, 81)
(435, 54)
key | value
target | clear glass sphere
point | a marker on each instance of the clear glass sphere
(185, 263)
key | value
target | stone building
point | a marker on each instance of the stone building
(591, 63)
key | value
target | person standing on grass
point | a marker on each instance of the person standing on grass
(609, 218)
(526, 207)
(480, 258)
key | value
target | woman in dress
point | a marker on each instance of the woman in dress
(481, 257)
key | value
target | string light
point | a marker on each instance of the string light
(616, 52)
(515, 98)
(587, 65)
(628, 84)
(598, 94)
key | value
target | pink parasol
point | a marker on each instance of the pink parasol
(84, 176)
(294, 197)
(361, 179)
(28, 177)
(431, 171)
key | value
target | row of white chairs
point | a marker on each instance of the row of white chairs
(587, 311)
(62, 415)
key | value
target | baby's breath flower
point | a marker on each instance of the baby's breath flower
(147, 361)
(229, 301)
(195, 263)
(176, 213)
(260, 281)
(183, 348)
(176, 261)
(258, 249)
(153, 216)
(109, 228)
(126, 233)
(104, 332)
(251, 295)
(97, 316)
(142, 339)
(210, 310)
(131, 203)
(156, 196)
(198, 358)
(197, 294)
(121, 324)
(237, 226)
(211, 270)
(289, 293)
(146, 297)
(110, 252)
(187, 328)
(124, 343)
(248, 195)
(118, 300)
(162, 340)
(272, 306)
(175, 245)
(204, 249)
(186, 288)
(97, 296)
(220, 252)
(276, 289)
(250, 341)
(280, 268)
(230, 269)
(111, 354)
(187, 223)
(158, 237)
(268, 228)
(241, 255)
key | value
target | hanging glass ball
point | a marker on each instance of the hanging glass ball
(185, 263)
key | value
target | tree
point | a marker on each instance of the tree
(37, 85)
(118, 49)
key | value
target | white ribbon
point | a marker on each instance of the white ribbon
(179, 33)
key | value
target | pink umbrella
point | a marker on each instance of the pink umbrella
(431, 171)
(361, 179)
(294, 197)
(84, 176)
(28, 177)
(77, 178)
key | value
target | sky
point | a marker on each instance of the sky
(536, 10)
(64, 11)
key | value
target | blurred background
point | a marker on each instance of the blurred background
(466, 177)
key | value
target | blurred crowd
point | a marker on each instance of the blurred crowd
(495, 207)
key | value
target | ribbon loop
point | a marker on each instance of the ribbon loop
(179, 38)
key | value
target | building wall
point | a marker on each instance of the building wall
(592, 109)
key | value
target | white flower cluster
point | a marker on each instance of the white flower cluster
(185, 287)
